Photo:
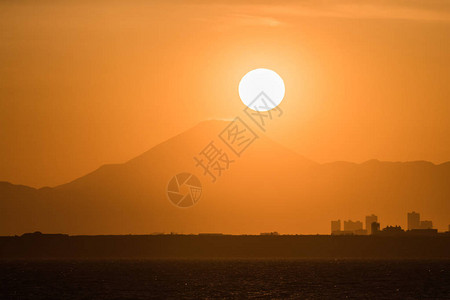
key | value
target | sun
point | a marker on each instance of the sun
(260, 81)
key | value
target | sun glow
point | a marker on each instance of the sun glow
(261, 82)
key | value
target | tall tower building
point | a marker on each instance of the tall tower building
(413, 220)
(369, 220)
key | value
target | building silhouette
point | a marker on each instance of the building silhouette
(413, 220)
(415, 227)
(350, 228)
(369, 220)
(392, 230)
(374, 228)
(426, 224)
(353, 226)
(270, 233)
(335, 226)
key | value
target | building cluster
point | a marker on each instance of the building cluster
(355, 227)
(269, 233)
(414, 222)
(372, 227)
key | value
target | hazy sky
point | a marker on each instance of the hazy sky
(84, 83)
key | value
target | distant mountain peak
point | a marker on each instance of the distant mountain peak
(267, 188)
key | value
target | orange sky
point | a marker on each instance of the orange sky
(86, 83)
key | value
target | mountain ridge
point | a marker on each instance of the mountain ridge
(268, 188)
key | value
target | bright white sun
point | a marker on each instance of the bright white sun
(261, 83)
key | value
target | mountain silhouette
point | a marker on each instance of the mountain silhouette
(268, 188)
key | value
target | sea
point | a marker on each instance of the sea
(225, 279)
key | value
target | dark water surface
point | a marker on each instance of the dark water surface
(175, 279)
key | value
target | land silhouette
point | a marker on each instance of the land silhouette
(61, 246)
(268, 188)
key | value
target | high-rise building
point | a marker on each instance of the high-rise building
(335, 226)
(426, 224)
(413, 220)
(369, 220)
(353, 226)
(374, 227)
